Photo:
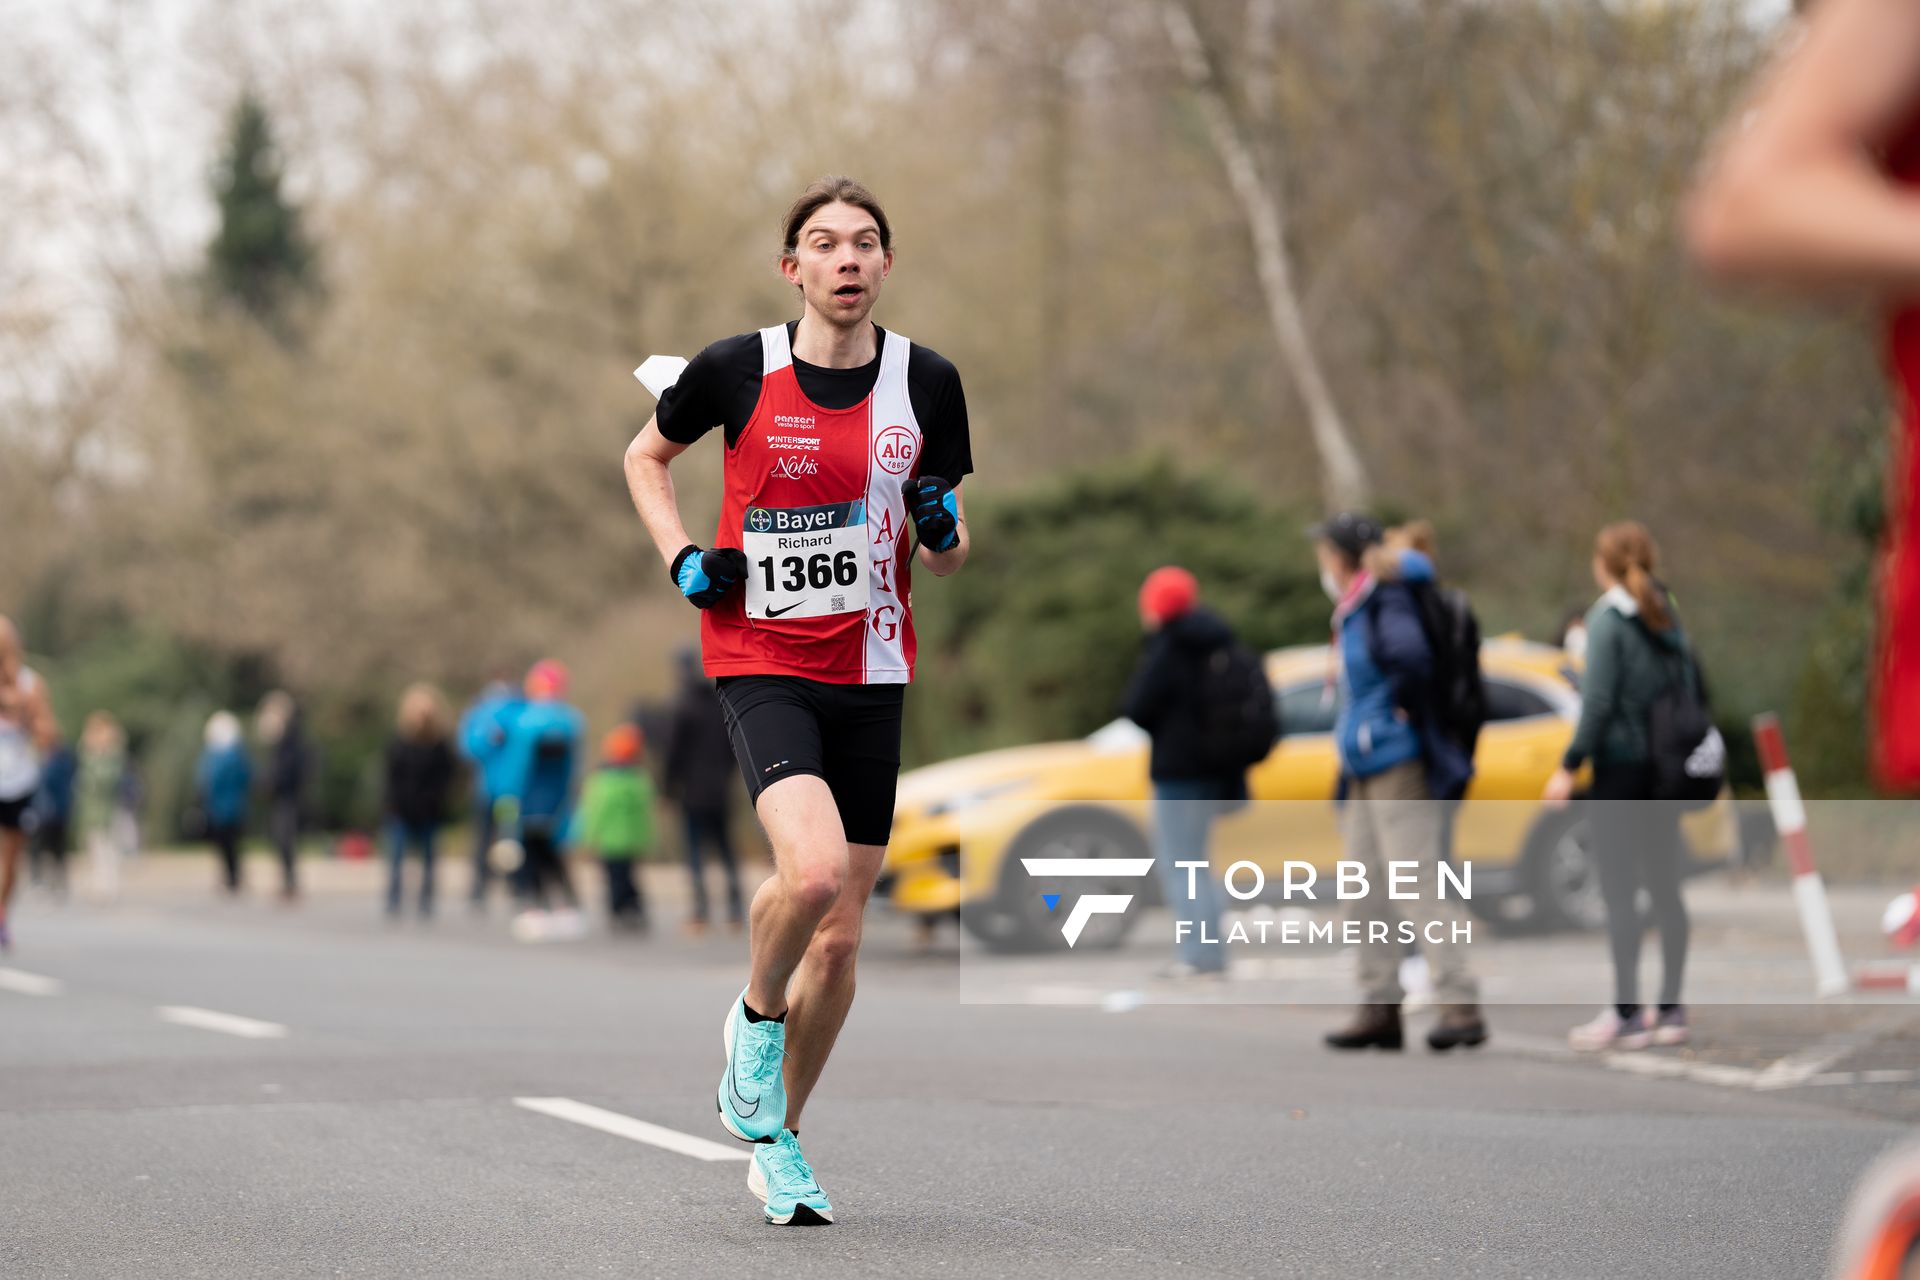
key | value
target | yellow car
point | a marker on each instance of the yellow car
(961, 827)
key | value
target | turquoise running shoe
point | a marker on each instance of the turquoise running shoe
(753, 1093)
(784, 1181)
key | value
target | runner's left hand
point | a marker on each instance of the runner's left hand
(935, 511)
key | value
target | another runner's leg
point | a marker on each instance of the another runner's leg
(821, 992)
(12, 842)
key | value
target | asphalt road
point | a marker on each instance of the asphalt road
(378, 1134)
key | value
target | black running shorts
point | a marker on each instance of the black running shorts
(846, 734)
(13, 812)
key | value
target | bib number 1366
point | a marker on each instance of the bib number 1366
(797, 573)
(806, 562)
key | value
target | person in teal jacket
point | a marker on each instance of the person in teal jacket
(223, 780)
(484, 731)
(615, 824)
(543, 750)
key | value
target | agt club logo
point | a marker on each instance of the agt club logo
(893, 449)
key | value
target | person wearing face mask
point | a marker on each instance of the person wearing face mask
(1398, 768)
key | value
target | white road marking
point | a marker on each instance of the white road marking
(627, 1127)
(30, 984)
(230, 1023)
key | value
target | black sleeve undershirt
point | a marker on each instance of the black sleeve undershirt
(721, 386)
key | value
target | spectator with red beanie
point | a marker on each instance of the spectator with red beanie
(1191, 786)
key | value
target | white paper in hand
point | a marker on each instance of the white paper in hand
(657, 373)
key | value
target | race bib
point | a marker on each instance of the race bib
(806, 562)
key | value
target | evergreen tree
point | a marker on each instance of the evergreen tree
(260, 257)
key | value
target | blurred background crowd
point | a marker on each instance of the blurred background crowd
(317, 323)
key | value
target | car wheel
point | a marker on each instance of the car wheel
(1017, 919)
(1562, 880)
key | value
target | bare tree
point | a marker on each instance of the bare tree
(1343, 478)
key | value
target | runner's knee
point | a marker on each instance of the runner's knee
(816, 884)
(833, 951)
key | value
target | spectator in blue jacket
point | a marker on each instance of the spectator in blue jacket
(1394, 776)
(484, 731)
(51, 811)
(222, 780)
(543, 759)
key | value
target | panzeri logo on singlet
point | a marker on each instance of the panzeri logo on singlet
(893, 449)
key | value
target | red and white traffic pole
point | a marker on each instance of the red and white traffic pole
(1809, 890)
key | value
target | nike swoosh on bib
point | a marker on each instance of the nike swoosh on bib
(774, 613)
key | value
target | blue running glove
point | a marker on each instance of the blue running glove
(705, 577)
(935, 511)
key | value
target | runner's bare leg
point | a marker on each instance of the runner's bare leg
(821, 992)
(11, 845)
(810, 870)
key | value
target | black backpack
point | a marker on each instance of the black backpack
(1234, 706)
(1688, 756)
(1457, 697)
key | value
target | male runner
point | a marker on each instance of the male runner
(1813, 188)
(845, 445)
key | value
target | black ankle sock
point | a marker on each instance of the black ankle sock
(1667, 1008)
(1626, 1011)
(760, 1017)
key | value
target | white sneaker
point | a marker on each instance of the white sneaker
(1609, 1030)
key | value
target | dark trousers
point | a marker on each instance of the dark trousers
(400, 835)
(709, 827)
(47, 851)
(484, 834)
(1636, 845)
(625, 902)
(226, 842)
(543, 867)
(283, 828)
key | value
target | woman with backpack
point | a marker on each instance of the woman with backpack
(1637, 657)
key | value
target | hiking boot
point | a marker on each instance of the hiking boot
(1374, 1026)
(1459, 1024)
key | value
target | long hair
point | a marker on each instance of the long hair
(1628, 552)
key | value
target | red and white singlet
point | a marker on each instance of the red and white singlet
(813, 498)
(1896, 693)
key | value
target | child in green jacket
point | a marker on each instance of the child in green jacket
(615, 823)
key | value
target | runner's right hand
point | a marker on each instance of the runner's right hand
(705, 577)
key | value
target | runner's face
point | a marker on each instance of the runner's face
(839, 264)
